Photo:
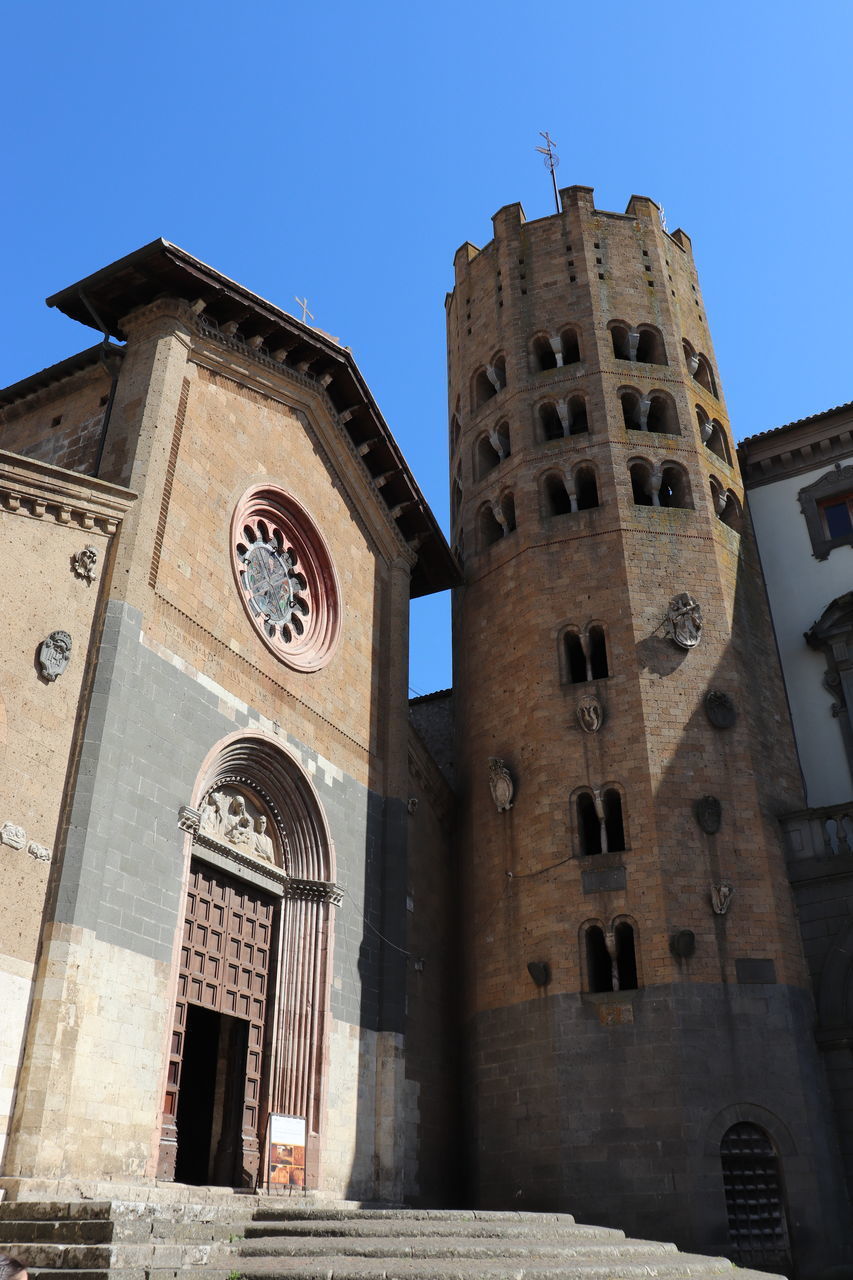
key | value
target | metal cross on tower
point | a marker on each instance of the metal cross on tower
(303, 302)
(551, 162)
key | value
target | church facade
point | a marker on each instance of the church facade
(529, 943)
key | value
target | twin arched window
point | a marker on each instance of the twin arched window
(726, 505)
(487, 382)
(554, 352)
(601, 828)
(654, 411)
(491, 449)
(699, 368)
(565, 492)
(495, 520)
(641, 344)
(583, 655)
(713, 436)
(558, 418)
(660, 485)
(611, 956)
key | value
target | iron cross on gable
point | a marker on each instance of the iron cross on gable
(303, 302)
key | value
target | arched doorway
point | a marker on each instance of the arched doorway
(253, 970)
(758, 1222)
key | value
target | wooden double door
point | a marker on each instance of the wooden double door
(214, 1102)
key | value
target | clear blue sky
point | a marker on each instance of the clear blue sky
(346, 150)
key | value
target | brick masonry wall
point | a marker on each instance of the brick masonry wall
(612, 1107)
(528, 891)
(62, 424)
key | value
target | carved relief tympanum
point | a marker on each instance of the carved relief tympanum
(230, 816)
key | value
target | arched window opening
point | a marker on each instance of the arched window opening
(589, 825)
(675, 488)
(758, 1222)
(586, 488)
(598, 963)
(732, 513)
(576, 664)
(613, 824)
(484, 389)
(717, 442)
(661, 416)
(456, 491)
(626, 956)
(704, 375)
(455, 430)
(570, 345)
(490, 527)
(578, 421)
(597, 654)
(641, 484)
(544, 355)
(557, 499)
(630, 402)
(550, 423)
(491, 449)
(619, 338)
(650, 347)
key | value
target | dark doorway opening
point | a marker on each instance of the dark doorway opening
(210, 1103)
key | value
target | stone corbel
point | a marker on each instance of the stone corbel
(314, 891)
(189, 819)
(633, 344)
(557, 348)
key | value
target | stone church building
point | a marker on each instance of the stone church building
(529, 943)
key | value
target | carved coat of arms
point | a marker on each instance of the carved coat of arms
(590, 713)
(500, 784)
(54, 654)
(684, 621)
(720, 709)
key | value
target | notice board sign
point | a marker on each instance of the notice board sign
(286, 1152)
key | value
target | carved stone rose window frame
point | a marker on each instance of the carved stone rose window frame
(285, 578)
(837, 483)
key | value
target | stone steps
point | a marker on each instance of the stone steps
(261, 1238)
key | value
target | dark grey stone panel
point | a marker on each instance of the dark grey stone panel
(148, 730)
(750, 970)
(618, 1120)
(601, 881)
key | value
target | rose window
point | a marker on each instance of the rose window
(286, 578)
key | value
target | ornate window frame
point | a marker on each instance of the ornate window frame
(836, 483)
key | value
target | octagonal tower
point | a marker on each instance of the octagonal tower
(637, 1006)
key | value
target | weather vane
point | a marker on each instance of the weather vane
(551, 162)
(303, 302)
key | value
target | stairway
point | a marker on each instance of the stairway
(256, 1239)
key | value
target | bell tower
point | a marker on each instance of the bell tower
(637, 1006)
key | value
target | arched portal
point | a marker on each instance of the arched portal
(253, 969)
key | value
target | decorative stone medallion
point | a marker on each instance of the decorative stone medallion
(286, 578)
(720, 709)
(54, 654)
(709, 814)
(500, 784)
(590, 713)
(684, 621)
